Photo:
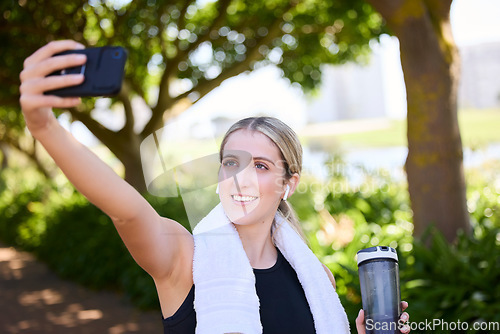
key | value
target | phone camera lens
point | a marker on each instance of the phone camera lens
(117, 54)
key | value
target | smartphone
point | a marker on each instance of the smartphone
(103, 72)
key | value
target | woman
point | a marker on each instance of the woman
(260, 168)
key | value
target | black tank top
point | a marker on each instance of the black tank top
(283, 304)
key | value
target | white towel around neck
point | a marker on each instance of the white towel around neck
(226, 300)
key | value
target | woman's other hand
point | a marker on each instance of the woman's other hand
(360, 320)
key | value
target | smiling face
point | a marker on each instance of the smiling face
(251, 177)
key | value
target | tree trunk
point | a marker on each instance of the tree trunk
(134, 174)
(128, 152)
(431, 67)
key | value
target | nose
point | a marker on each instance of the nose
(246, 177)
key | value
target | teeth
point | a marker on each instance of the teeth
(243, 198)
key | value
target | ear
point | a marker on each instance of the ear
(293, 182)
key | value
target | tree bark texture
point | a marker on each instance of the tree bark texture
(431, 67)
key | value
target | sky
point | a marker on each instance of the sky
(475, 21)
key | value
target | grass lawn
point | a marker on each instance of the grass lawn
(478, 128)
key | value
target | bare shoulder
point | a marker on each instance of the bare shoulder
(330, 275)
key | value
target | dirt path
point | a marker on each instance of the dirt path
(35, 300)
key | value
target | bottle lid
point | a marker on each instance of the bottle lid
(377, 252)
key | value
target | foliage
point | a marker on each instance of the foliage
(22, 212)
(73, 237)
(167, 36)
(483, 197)
(453, 283)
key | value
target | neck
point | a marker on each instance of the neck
(258, 245)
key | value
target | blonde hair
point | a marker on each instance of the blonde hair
(288, 143)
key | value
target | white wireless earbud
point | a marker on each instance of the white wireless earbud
(217, 189)
(286, 192)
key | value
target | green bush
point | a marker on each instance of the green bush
(19, 215)
(75, 238)
(453, 283)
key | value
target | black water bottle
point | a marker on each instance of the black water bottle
(379, 280)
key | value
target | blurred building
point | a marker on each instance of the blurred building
(349, 91)
(480, 81)
(376, 90)
(354, 91)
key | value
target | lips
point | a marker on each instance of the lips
(243, 198)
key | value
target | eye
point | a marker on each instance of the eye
(230, 163)
(259, 165)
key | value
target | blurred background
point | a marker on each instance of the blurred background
(397, 107)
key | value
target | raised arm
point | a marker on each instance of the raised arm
(159, 245)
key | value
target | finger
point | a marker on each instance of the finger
(40, 85)
(360, 322)
(49, 65)
(404, 319)
(34, 102)
(50, 49)
(404, 305)
(405, 329)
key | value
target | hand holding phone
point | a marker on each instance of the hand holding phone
(103, 72)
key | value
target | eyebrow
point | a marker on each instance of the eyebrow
(265, 159)
(254, 158)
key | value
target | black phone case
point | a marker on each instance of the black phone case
(103, 72)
